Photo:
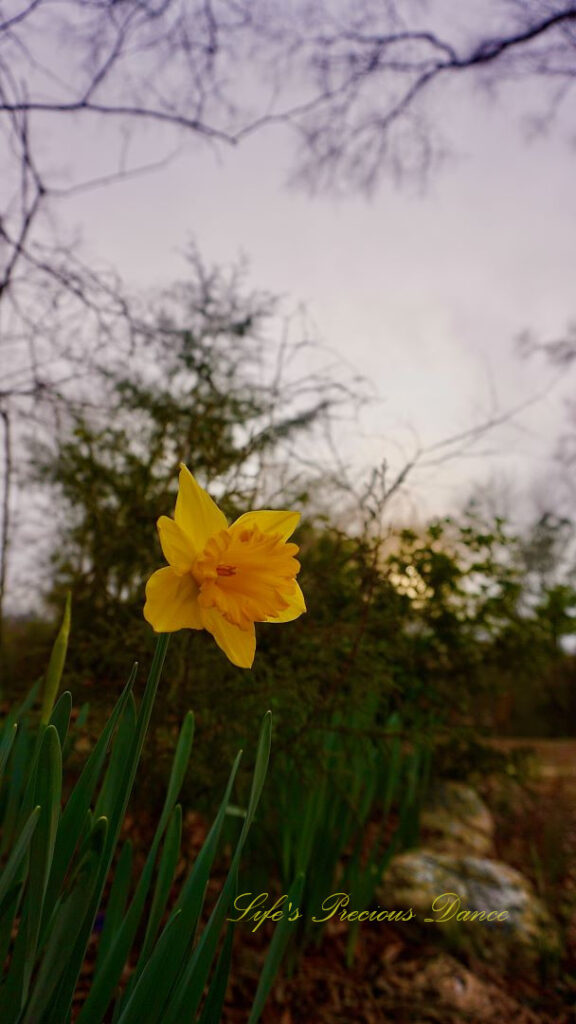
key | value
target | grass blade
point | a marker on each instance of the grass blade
(282, 935)
(66, 925)
(56, 665)
(74, 814)
(116, 902)
(10, 870)
(212, 1009)
(190, 988)
(166, 869)
(60, 717)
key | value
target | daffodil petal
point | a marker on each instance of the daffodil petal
(176, 546)
(239, 645)
(281, 523)
(196, 513)
(296, 607)
(171, 602)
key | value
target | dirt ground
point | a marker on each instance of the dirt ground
(396, 978)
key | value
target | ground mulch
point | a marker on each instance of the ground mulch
(396, 977)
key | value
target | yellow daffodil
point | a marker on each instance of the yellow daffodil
(223, 578)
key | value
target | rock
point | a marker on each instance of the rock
(451, 985)
(448, 985)
(441, 888)
(455, 820)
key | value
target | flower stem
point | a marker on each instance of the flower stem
(151, 689)
(142, 723)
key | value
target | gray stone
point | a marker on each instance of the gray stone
(439, 887)
(456, 820)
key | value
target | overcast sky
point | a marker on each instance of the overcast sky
(422, 292)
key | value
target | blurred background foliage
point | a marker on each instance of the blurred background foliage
(452, 629)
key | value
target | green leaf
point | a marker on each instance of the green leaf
(116, 902)
(60, 717)
(10, 870)
(56, 665)
(22, 709)
(135, 752)
(8, 912)
(164, 881)
(115, 777)
(6, 745)
(189, 991)
(21, 764)
(151, 990)
(65, 994)
(74, 814)
(212, 1009)
(179, 764)
(47, 795)
(48, 780)
(112, 965)
(191, 899)
(260, 770)
(66, 925)
(283, 932)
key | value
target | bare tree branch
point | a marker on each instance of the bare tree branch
(7, 479)
(354, 82)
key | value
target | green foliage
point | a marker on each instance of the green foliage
(442, 625)
(55, 668)
(487, 612)
(193, 386)
(338, 830)
(56, 862)
(407, 646)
